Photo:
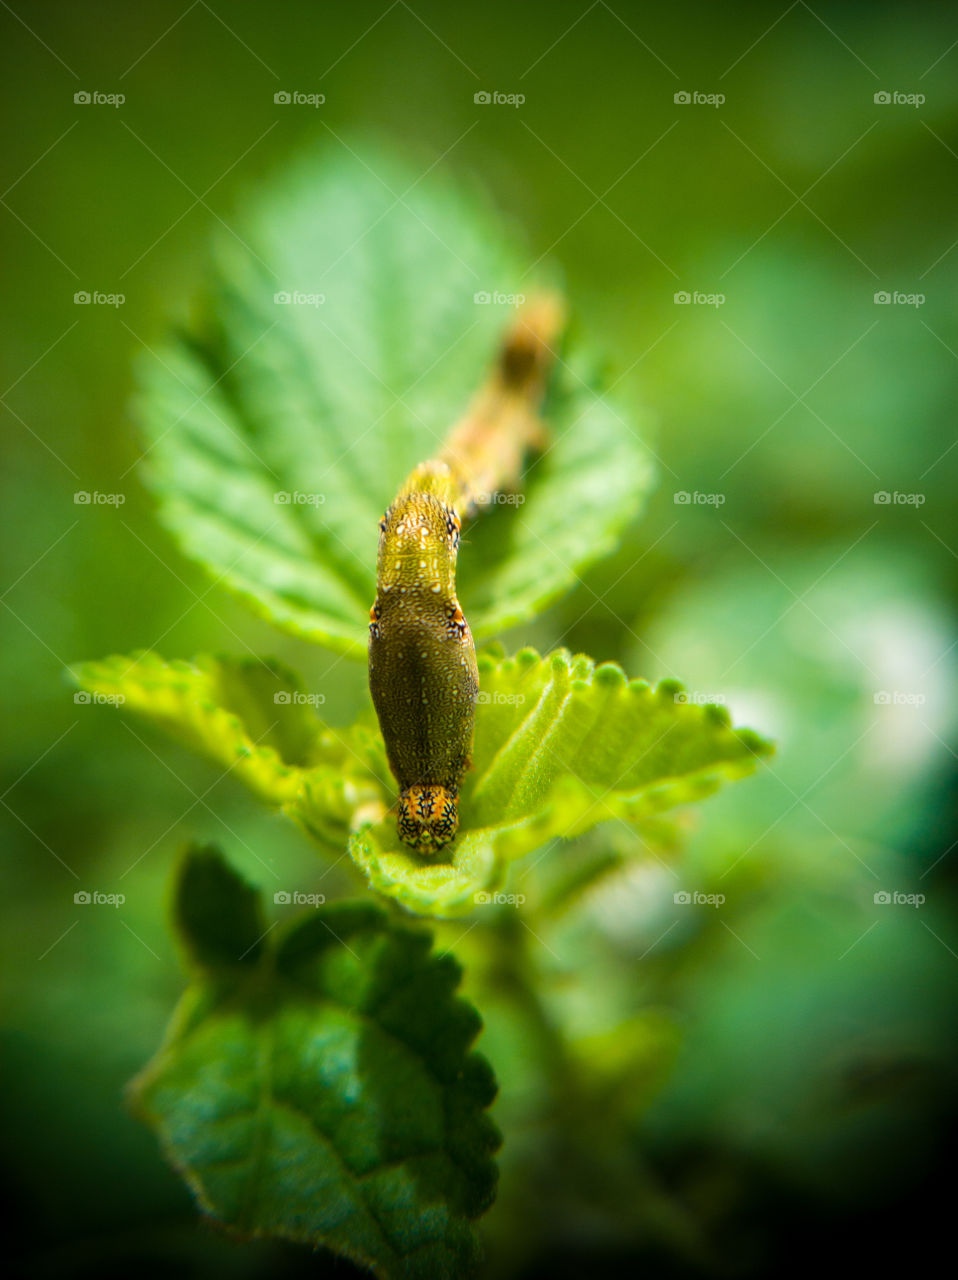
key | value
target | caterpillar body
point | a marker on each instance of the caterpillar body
(422, 660)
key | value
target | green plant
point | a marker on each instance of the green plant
(318, 1083)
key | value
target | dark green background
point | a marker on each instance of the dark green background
(793, 1068)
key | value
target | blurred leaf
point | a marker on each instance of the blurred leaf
(842, 654)
(326, 1092)
(219, 916)
(280, 433)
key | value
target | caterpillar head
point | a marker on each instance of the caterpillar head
(428, 818)
(418, 544)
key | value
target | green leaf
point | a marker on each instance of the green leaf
(331, 405)
(253, 718)
(327, 1093)
(561, 744)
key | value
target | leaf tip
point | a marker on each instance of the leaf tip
(669, 689)
(755, 743)
(718, 714)
(609, 675)
(218, 914)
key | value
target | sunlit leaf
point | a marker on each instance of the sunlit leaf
(253, 718)
(560, 745)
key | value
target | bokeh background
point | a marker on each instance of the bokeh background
(777, 1073)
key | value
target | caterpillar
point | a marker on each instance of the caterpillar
(422, 660)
